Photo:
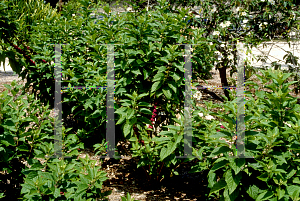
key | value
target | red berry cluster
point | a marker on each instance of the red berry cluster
(136, 131)
(154, 114)
(221, 127)
(25, 55)
(22, 52)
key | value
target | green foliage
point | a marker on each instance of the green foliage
(84, 59)
(128, 198)
(273, 173)
(49, 180)
(149, 68)
(65, 179)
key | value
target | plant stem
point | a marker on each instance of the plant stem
(162, 164)
(135, 160)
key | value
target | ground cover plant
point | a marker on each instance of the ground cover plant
(148, 66)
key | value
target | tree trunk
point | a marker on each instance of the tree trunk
(224, 82)
(60, 3)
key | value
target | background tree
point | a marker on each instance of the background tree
(264, 20)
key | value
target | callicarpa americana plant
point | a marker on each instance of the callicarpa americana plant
(152, 119)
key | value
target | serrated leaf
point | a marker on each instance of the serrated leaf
(219, 164)
(81, 188)
(164, 59)
(175, 76)
(253, 191)
(121, 120)
(232, 181)
(293, 190)
(127, 129)
(130, 113)
(142, 95)
(145, 104)
(136, 72)
(172, 86)
(179, 66)
(155, 86)
(265, 195)
(145, 111)
(144, 120)
(166, 151)
(218, 186)
(167, 93)
(237, 164)
(146, 74)
(280, 193)
(158, 77)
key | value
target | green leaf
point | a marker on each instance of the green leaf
(129, 96)
(175, 76)
(10, 125)
(172, 86)
(146, 74)
(219, 150)
(236, 164)
(167, 93)
(179, 66)
(121, 110)
(211, 179)
(125, 103)
(293, 191)
(121, 120)
(166, 151)
(162, 69)
(144, 120)
(253, 191)
(26, 188)
(280, 193)
(137, 72)
(144, 104)
(130, 113)
(23, 147)
(232, 180)
(218, 186)
(46, 175)
(145, 111)
(263, 177)
(81, 188)
(296, 180)
(88, 103)
(155, 86)
(127, 128)
(266, 195)
(158, 77)
(164, 59)
(142, 95)
(220, 162)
